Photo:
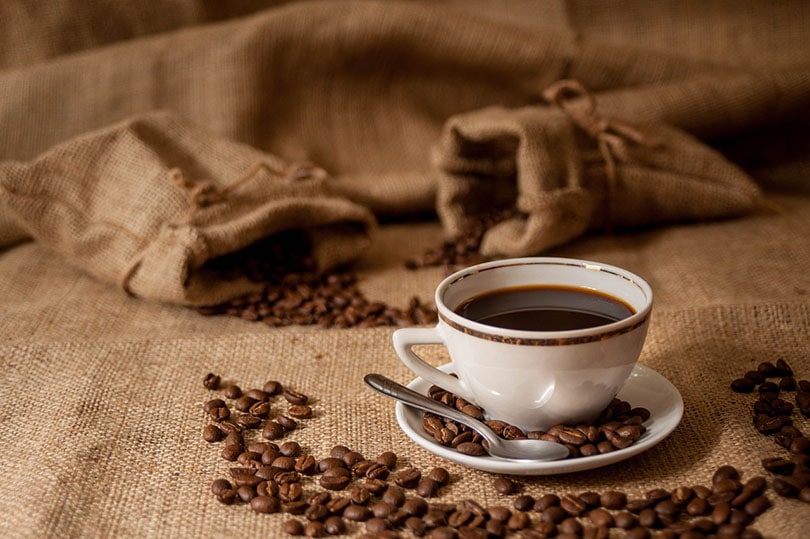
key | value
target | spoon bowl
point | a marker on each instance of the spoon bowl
(523, 449)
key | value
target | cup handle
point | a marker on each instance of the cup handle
(404, 341)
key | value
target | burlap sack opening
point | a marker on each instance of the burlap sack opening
(564, 169)
(146, 203)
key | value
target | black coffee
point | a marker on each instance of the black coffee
(544, 308)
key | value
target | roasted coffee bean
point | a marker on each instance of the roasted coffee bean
(638, 505)
(220, 485)
(471, 448)
(504, 485)
(520, 520)
(397, 518)
(524, 502)
(613, 499)
(290, 492)
(394, 495)
(743, 385)
(601, 517)
(387, 459)
(305, 464)
(416, 526)
(295, 397)
(334, 482)
(260, 409)
(214, 403)
(300, 411)
(273, 431)
(212, 433)
(244, 403)
(265, 504)
(272, 387)
(286, 422)
(219, 413)
(554, 514)
(358, 513)
(571, 526)
(336, 506)
(316, 512)
(246, 493)
(314, 529)
(625, 520)
(697, 507)
(330, 462)
(293, 527)
(408, 477)
(269, 455)
(427, 488)
(415, 506)
(376, 486)
(249, 421)
(284, 463)
(382, 509)
(573, 505)
(227, 496)
(295, 507)
(249, 459)
(375, 526)
(350, 458)
(637, 533)
(290, 449)
(211, 381)
(376, 471)
(267, 488)
(545, 501)
(232, 391)
(591, 499)
(778, 465)
(236, 439)
(786, 487)
(782, 368)
(231, 452)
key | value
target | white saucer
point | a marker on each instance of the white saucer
(645, 388)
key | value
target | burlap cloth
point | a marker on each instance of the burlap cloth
(101, 394)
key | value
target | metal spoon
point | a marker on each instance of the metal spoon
(498, 447)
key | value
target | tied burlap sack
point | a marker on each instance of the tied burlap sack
(560, 170)
(147, 202)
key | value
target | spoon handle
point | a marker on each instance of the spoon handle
(396, 391)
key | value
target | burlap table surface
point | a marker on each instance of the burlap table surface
(101, 394)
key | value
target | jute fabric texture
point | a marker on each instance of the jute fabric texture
(104, 411)
(101, 392)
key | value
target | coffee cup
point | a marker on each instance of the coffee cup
(535, 341)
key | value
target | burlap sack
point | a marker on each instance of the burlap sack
(566, 169)
(147, 202)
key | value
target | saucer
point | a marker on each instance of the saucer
(644, 387)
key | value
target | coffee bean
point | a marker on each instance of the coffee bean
(504, 486)
(520, 520)
(300, 411)
(272, 387)
(211, 433)
(227, 496)
(231, 452)
(601, 517)
(286, 422)
(416, 526)
(471, 448)
(743, 385)
(314, 529)
(427, 488)
(219, 413)
(232, 391)
(573, 505)
(305, 464)
(394, 495)
(337, 505)
(214, 403)
(295, 397)
(571, 526)
(359, 513)
(334, 482)
(316, 512)
(778, 465)
(293, 527)
(211, 381)
(220, 485)
(376, 486)
(375, 526)
(415, 506)
(265, 504)
(408, 478)
(273, 431)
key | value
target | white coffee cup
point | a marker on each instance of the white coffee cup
(533, 379)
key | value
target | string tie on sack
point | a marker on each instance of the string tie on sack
(612, 136)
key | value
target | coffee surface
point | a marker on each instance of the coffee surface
(544, 308)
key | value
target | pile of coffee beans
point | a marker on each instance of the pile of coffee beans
(463, 249)
(617, 427)
(347, 493)
(294, 293)
(773, 416)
